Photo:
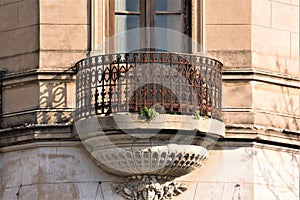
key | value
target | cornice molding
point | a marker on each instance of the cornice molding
(37, 75)
(30, 133)
(263, 134)
(40, 145)
(261, 76)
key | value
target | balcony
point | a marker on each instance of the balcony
(179, 83)
(179, 96)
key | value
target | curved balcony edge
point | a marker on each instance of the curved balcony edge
(177, 83)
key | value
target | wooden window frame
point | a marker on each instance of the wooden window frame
(103, 27)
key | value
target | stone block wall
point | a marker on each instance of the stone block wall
(258, 43)
(64, 32)
(40, 43)
(65, 171)
(19, 35)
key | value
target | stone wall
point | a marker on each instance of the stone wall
(64, 32)
(64, 171)
(40, 43)
(19, 35)
(258, 42)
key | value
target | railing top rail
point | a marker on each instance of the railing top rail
(120, 55)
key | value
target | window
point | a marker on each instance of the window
(111, 18)
(167, 16)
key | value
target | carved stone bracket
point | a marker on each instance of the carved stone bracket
(149, 187)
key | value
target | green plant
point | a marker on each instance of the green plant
(148, 112)
(197, 115)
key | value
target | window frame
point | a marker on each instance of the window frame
(103, 25)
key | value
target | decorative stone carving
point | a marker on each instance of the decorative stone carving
(149, 187)
(170, 160)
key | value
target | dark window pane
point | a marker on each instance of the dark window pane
(169, 21)
(127, 5)
(125, 41)
(168, 5)
(167, 38)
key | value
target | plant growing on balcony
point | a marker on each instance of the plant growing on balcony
(150, 113)
(197, 115)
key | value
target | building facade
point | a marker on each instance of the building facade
(42, 152)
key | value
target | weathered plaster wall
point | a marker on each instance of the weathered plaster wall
(65, 171)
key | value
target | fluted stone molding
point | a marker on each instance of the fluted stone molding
(171, 160)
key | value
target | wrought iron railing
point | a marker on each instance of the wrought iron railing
(170, 82)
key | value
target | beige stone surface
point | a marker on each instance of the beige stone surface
(56, 171)
(238, 116)
(267, 192)
(4, 2)
(217, 178)
(8, 17)
(19, 41)
(282, 1)
(295, 45)
(275, 168)
(237, 95)
(71, 94)
(20, 98)
(28, 192)
(18, 14)
(285, 17)
(19, 168)
(261, 12)
(60, 59)
(12, 120)
(220, 162)
(276, 174)
(28, 12)
(55, 116)
(295, 2)
(64, 170)
(263, 40)
(20, 63)
(276, 98)
(232, 59)
(277, 120)
(275, 63)
(228, 37)
(64, 11)
(66, 37)
(228, 12)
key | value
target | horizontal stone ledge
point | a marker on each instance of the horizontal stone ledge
(35, 110)
(130, 121)
(261, 76)
(41, 144)
(38, 75)
(263, 134)
(33, 132)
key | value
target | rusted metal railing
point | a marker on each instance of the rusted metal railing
(170, 82)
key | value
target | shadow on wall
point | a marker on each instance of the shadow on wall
(279, 169)
(54, 97)
(287, 105)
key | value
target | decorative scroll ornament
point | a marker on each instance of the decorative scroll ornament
(149, 187)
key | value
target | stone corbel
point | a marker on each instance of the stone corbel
(149, 187)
